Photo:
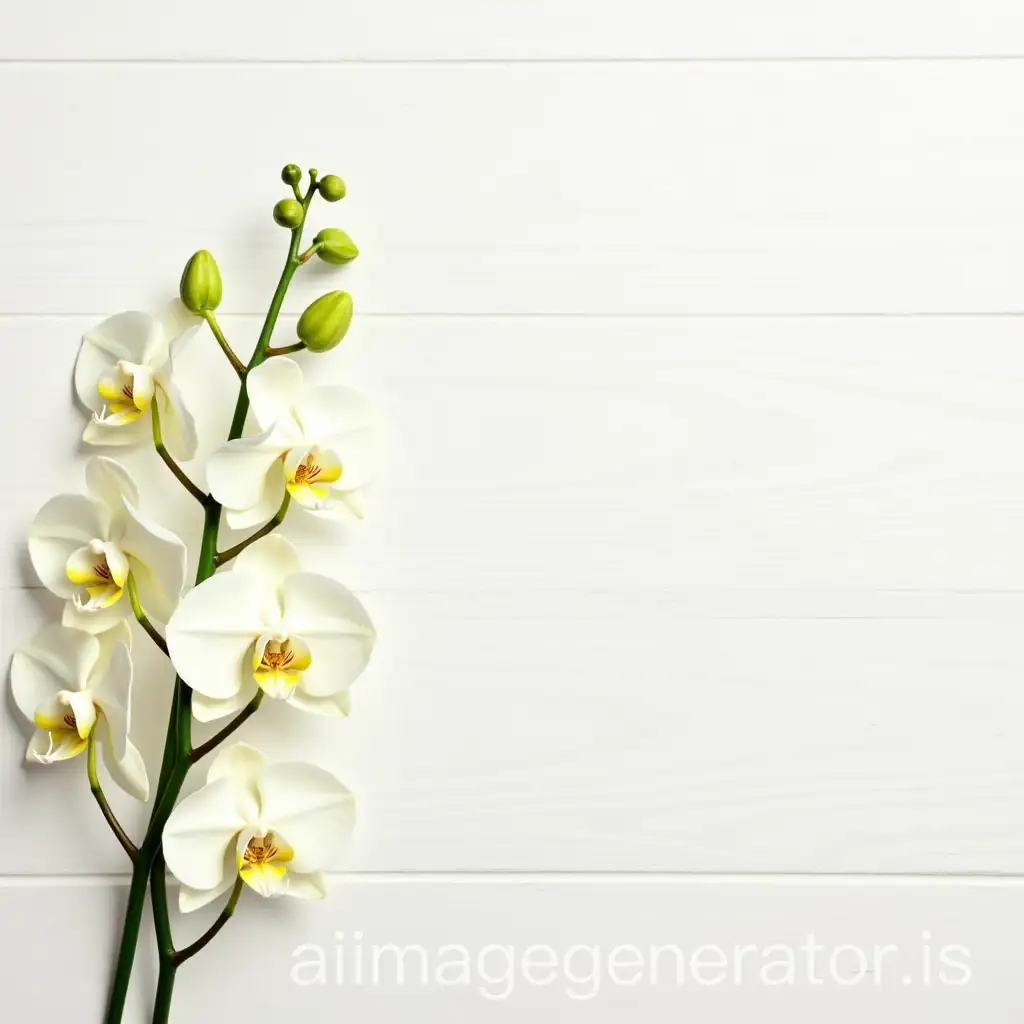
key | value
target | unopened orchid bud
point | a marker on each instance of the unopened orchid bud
(325, 321)
(332, 188)
(334, 246)
(288, 213)
(291, 174)
(200, 286)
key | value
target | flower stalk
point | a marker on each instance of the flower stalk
(101, 799)
(183, 478)
(178, 752)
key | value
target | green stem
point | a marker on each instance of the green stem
(236, 363)
(129, 938)
(164, 939)
(291, 264)
(101, 799)
(140, 614)
(164, 991)
(225, 556)
(178, 748)
(161, 915)
(211, 933)
(285, 350)
(158, 440)
(240, 719)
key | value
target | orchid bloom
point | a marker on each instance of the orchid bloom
(70, 684)
(123, 367)
(318, 444)
(265, 625)
(83, 548)
(274, 825)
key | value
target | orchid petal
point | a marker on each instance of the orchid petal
(306, 886)
(275, 388)
(179, 324)
(96, 621)
(128, 771)
(176, 422)
(55, 659)
(112, 694)
(209, 709)
(267, 506)
(343, 421)
(237, 473)
(242, 765)
(335, 625)
(64, 524)
(311, 809)
(159, 560)
(271, 559)
(108, 482)
(211, 632)
(194, 899)
(199, 833)
(334, 705)
(101, 433)
(48, 747)
(131, 336)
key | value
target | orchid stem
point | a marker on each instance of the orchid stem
(237, 365)
(284, 350)
(158, 440)
(97, 791)
(237, 722)
(161, 916)
(140, 614)
(211, 933)
(164, 991)
(178, 749)
(224, 557)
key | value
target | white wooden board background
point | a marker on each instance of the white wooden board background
(696, 561)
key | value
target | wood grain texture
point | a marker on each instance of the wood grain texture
(644, 189)
(689, 595)
(247, 973)
(248, 30)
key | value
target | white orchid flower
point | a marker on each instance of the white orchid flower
(123, 367)
(318, 443)
(274, 825)
(70, 684)
(84, 546)
(265, 625)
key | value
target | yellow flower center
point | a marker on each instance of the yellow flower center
(67, 733)
(263, 864)
(101, 569)
(260, 849)
(278, 663)
(127, 392)
(309, 474)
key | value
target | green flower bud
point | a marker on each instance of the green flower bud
(288, 213)
(291, 174)
(325, 321)
(335, 246)
(332, 188)
(200, 286)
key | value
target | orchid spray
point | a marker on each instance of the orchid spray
(256, 624)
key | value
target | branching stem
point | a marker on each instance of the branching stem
(224, 557)
(237, 722)
(158, 441)
(210, 934)
(285, 350)
(178, 752)
(236, 364)
(97, 791)
(140, 614)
